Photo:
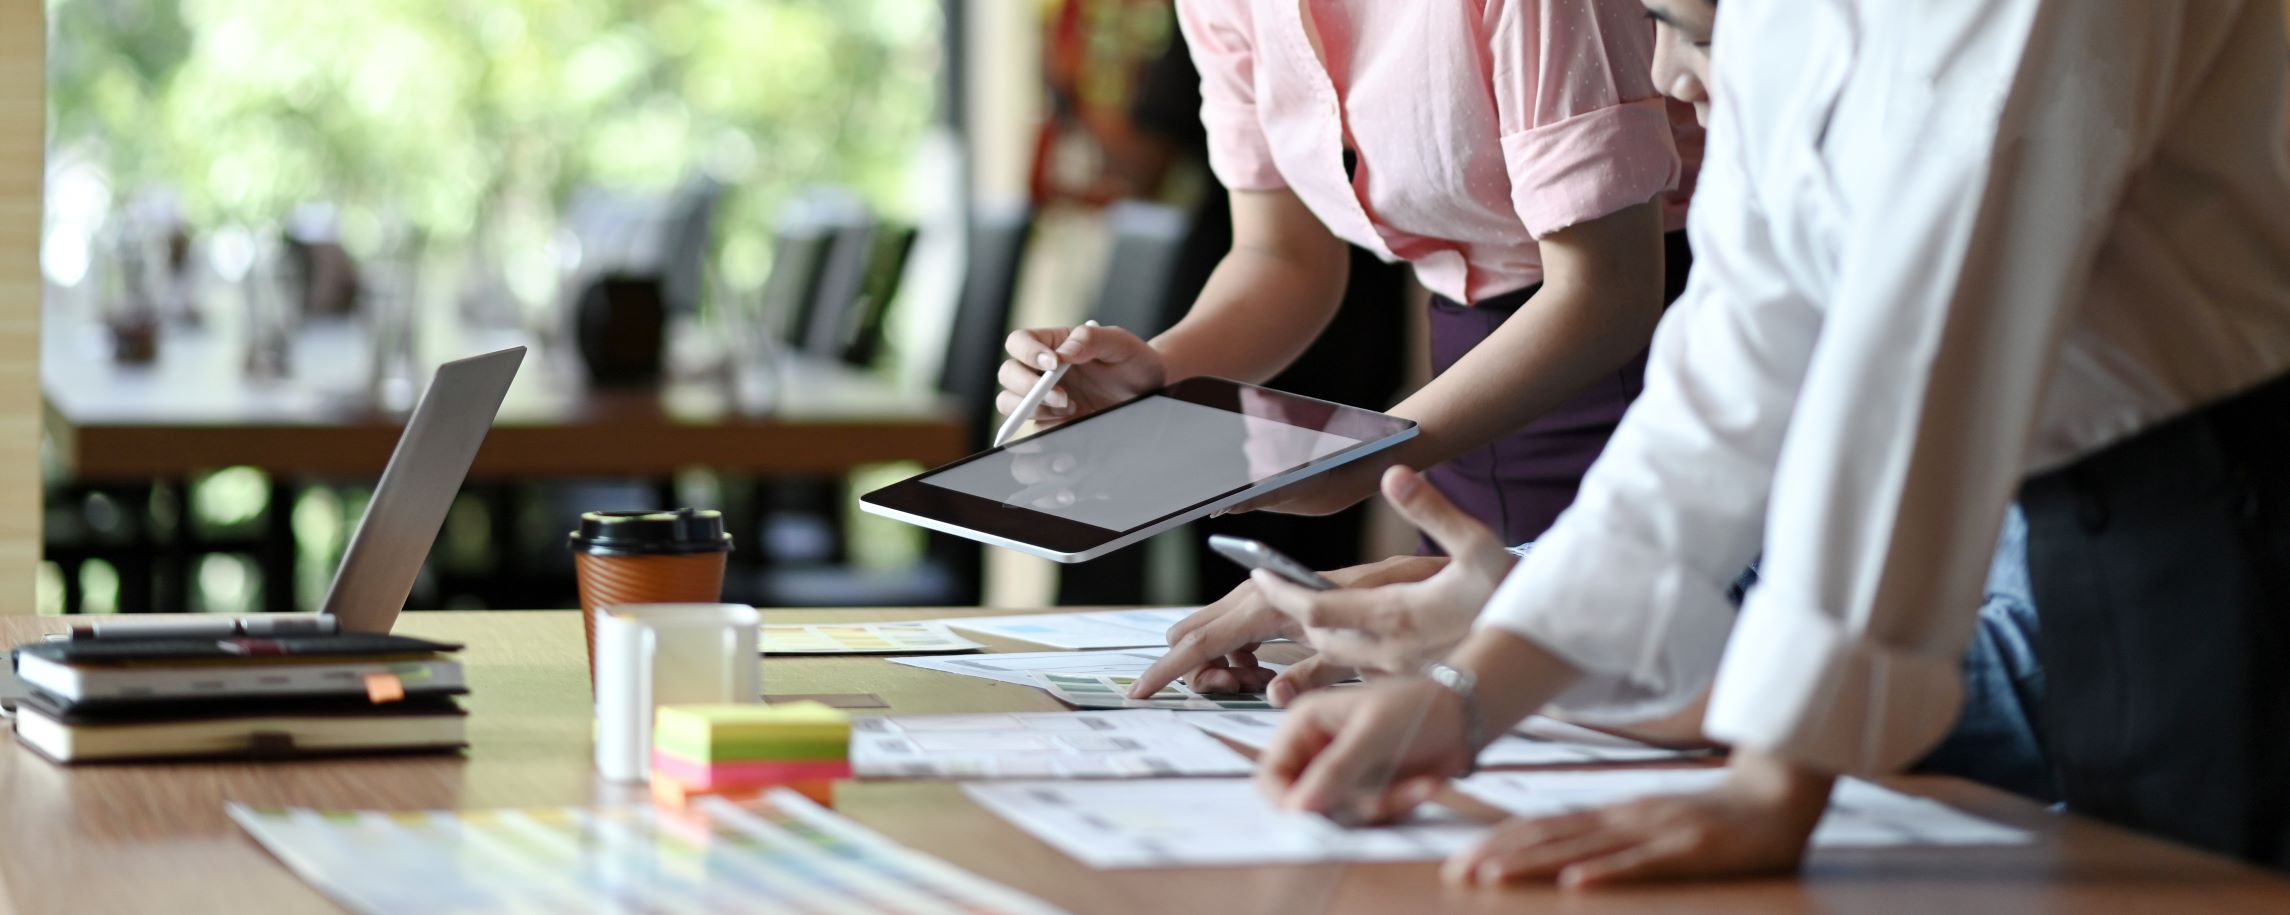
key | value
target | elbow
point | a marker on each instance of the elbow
(1616, 311)
(1613, 271)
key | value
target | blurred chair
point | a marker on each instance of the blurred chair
(851, 299)
(1141, 268)
(1140, 293)
(798, 252)
(862, 334)
(859, 261)
(998, 237)
(950, 573)
(686, 237)
(663, 235)
(818, 251)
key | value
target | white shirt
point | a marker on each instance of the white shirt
(1938, 246)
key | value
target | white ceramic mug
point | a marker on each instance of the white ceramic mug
(649, 655)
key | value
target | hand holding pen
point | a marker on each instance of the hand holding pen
(1367, 754)
(1058, 374)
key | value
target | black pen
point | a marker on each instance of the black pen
(217, 628)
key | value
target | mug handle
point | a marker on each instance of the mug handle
(646, 656)
(740, 686)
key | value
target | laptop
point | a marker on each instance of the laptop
(391, 542)
(409, 504)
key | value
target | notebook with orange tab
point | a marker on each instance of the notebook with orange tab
(258, 729)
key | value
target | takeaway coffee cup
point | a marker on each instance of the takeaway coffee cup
(647, 557)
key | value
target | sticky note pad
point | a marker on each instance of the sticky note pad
(675, 795)
(718, 733)
(704, 777)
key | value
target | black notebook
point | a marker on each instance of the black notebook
(272, 728)
(99, 651)
(177, 670)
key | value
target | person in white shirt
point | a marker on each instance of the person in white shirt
(1947, 252)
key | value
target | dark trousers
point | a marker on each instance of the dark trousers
(2161, 571)
(1518, 484)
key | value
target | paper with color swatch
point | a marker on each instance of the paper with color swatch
(777, 853)
(1020, 667)
(1110, 691)
(1078, 631)
(863, 638)
(1206, 823)
(1861, 815)
(1114, 744)
(1226, 822)
(1254, 729)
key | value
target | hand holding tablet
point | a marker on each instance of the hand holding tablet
(1118, 475)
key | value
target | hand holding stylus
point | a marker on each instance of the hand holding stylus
(1058, 374)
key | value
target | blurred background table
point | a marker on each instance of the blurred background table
(196, 409)
(138, 453)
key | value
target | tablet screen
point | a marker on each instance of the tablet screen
(1135, 463)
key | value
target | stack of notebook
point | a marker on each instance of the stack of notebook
(98, 699)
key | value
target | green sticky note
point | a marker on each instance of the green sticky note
(715, 733)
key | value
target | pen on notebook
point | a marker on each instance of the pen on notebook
(218, 628)
(1033, 399)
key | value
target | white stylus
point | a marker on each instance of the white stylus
(1033, 399)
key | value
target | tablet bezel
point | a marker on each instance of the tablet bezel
(1065, 540)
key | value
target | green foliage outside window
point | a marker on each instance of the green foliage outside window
(465, 119)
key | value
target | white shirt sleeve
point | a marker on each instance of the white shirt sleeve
(1882, 434)
(1630, 584)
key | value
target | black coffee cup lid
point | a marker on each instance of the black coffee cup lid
(652, 533)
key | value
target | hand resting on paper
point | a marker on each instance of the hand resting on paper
(1757, 822)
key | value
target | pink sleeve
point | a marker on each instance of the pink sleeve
(1221, 37)
(1584, 132)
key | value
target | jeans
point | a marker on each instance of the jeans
(1994, 741)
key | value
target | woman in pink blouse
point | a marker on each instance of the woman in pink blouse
(1514, 151)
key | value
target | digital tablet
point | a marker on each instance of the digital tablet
(1088, 487)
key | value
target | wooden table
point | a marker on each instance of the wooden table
(150, 838)
(195, 409)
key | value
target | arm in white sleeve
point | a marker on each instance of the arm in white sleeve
(1989, 183)
(1630, 585)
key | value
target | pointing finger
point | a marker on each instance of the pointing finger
(1194, 650)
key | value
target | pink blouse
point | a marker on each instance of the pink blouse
(1477, 126)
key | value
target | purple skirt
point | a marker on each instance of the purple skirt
(1518, 484)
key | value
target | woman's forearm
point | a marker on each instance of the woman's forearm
(1269, 298)
(1258, 313)
(1601, 297)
